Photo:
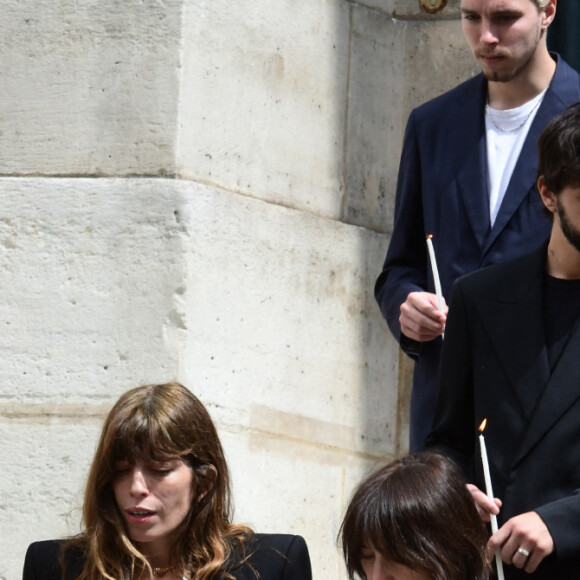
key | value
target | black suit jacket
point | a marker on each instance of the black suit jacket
(494, 365)
(273, 557)
(442, 189)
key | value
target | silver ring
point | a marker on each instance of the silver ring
(523, 552)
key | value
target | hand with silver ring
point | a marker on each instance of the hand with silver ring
(524, 541)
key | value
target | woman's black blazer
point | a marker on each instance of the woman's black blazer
(273, 557)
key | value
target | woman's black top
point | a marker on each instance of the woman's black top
(272, 557)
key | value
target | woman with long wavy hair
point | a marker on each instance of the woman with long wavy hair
(157, 504)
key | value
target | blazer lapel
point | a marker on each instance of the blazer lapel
(562, 91)
(523, 354)
(561, 392)
(524, 176)
(469, 148)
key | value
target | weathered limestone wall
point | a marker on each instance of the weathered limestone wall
(203, 191)
(89, 87)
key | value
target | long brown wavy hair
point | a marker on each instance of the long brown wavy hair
(157, 423)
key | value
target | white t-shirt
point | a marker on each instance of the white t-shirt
(506, 132)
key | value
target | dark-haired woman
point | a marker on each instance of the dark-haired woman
(414, 519)
(157, 504)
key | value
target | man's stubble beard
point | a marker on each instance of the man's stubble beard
(571, 233)
(506, 77)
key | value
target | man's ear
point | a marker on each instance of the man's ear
(547, 196)
(548, 14)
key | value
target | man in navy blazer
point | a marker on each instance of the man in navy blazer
(467, 176)
(510, 355)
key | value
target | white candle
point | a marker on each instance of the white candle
(489, 492)
(436, 279)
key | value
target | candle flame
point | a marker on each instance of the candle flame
(430, 236)
(482, 426)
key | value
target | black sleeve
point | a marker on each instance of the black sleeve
(452, 431)
(274, 557)
(28, 572)
(298, 561)
(41, 561)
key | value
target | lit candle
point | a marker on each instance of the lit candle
(436, 280)
(489, 492)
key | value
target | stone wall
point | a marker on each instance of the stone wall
(202, 190)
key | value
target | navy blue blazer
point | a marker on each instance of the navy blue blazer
(495, 366)
(273, 557)
(442, 190)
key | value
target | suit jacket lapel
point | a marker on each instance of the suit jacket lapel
(562, 391)
(468, 145)
(524, 176)
(562, 90)
(517, 336)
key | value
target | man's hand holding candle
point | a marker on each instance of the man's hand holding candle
(524, 541)
(484, 505)
(421, 318)
(518, 536)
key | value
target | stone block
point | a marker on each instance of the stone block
(282, 321)
(41, 484)
(89, 272)
(263, 99)
(395, 66)
(111, 283)
(89, 87)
